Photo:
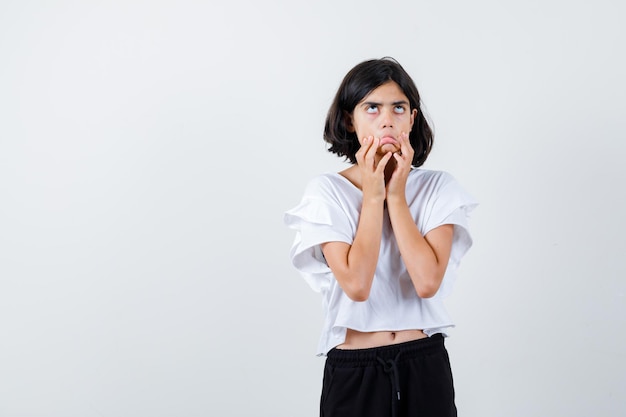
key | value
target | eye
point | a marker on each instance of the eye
(399, 109)
(372, 108)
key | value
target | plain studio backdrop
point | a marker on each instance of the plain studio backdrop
(148, 150)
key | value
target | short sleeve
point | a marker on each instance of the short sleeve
(316, 221)
(451, 204)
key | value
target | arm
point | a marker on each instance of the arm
(426, 257)
(354, 265)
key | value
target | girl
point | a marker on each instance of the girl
(381, 242)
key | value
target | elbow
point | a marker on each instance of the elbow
(428, 289)
(427, 292)
(358, 295)
(426, 282)
(356, 287)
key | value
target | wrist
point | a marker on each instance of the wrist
(373, 197)
(373, 201)
(396, 200)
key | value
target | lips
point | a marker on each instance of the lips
(388, 139)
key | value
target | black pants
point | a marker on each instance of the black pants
(403, 380)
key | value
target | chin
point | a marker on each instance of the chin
(389, 147)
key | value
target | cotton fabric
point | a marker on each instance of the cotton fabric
(329, 211)
(407, 379)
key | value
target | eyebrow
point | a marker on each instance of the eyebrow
(394, 103)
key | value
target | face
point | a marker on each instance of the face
(384, 113)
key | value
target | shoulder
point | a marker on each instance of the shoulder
(328, 179)
(430, 185)
(327, 185)
(439, 188)
(419, 178)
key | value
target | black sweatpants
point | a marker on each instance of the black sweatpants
(403, 380)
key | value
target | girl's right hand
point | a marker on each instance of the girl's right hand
(372, 172)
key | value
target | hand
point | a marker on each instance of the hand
(372, 173)
(396, 185)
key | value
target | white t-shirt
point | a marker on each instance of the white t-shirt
(329, 211)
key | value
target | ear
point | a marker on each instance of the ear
(413, 116)
(347, 122)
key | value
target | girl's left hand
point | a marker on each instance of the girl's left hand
(397, 183)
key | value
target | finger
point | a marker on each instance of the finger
(366, 143)
(405, 146)
(401, 159)
(405, 142)
(373, 141)
(371, 152)
(383, 162)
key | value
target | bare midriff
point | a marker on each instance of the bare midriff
(364, 340)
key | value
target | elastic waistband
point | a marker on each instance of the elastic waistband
(364, 357)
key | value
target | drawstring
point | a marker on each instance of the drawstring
(390, 366)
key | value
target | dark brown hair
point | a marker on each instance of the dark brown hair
(358, 83)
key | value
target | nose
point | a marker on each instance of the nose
(386, 119)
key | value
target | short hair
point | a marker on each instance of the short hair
(358, 83)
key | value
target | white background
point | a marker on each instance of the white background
(148, 150)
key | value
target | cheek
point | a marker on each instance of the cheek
(363, 128)
(407, 124)
(362, 134)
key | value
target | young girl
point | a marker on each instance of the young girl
(381, 242)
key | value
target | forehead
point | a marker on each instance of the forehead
(387, 92)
